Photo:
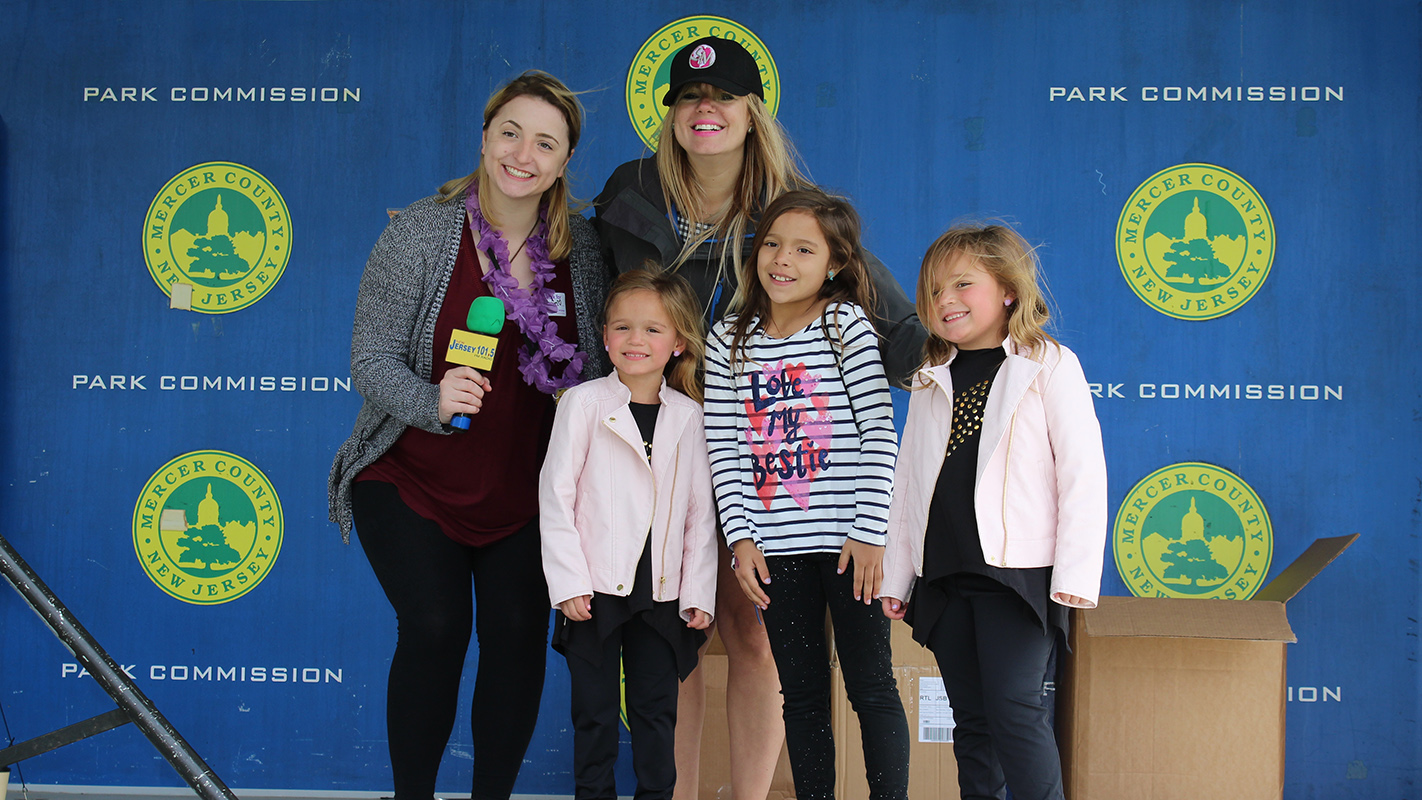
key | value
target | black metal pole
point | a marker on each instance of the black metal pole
(115, 681)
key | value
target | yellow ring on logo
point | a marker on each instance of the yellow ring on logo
(1195, 241)
(207, 527)
(644, 94)
(1193, 530)
(220, 231)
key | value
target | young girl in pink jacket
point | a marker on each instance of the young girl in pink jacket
(997, 524)
(629, 538)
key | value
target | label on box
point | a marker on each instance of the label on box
(935, 716)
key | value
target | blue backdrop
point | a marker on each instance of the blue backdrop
(921, 112)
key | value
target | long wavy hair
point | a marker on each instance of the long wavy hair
(770, 168)
(684, 372)
(1002, 253)
(558, 197)
(851, 283)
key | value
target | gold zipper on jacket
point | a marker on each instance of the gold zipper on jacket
(948, 393)
(641, 449)
(666, 534)
(1006, 470)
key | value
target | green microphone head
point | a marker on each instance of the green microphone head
(486, 315)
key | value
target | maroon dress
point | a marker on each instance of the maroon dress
(482, 485)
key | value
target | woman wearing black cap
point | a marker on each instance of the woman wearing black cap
(721, 157)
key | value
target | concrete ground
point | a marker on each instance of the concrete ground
(53, 792)
(59, 792)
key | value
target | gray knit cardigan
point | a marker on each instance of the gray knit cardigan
(392, 341)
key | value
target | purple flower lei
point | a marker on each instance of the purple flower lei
(529, 309)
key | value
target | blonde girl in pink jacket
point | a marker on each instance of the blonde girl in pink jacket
(629, 535)
(997, 523)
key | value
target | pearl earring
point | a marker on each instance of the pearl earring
(676, 352)
(1007, 302)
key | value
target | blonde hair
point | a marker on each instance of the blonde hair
(685, 371)
(1002, 253)
(559, 199)
(839, 223)
(770, 168)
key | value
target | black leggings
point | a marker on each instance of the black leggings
(993, 654)
(649, 663)
(426, 575)
(801, 588)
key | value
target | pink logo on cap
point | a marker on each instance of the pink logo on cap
(702, 57)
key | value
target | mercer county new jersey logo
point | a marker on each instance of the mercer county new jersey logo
(650, 73)
(1195, 241)
(217, 237)
(208, 527)
(1193, 530)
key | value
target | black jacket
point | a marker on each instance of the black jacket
(631, 220)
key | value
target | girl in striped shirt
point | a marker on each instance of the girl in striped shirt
(800, 427)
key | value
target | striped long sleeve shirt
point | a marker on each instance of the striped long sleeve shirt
(802, 442)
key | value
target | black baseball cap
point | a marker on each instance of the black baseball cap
(723, 63)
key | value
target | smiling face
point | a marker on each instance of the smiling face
(708, 121)
(970, 306)
(525, 148)
(640, 337)
(793, 261)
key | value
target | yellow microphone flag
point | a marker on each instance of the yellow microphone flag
(471, 349)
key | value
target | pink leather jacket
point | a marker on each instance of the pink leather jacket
(1040, 496)
(598, 496)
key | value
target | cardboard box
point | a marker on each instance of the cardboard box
(933, 771)
(1171, 699)
(715, 777)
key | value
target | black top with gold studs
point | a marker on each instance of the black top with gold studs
(952, 550)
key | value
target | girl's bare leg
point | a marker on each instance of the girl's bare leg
(757, 730)
(690, 714)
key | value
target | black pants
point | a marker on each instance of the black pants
(427, 576)
(993, 654)
(801, 588)
(649, 663)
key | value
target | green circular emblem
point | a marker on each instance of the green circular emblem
(1193, 530)
(207, 527)
(1195, 241)
(650, 73)
(217, 237)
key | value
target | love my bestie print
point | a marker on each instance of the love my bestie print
(790, 431)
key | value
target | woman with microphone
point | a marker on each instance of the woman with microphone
(721, 158)
(438, 511)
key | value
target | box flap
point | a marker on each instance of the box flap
(1196, 619)
(1304, 569)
